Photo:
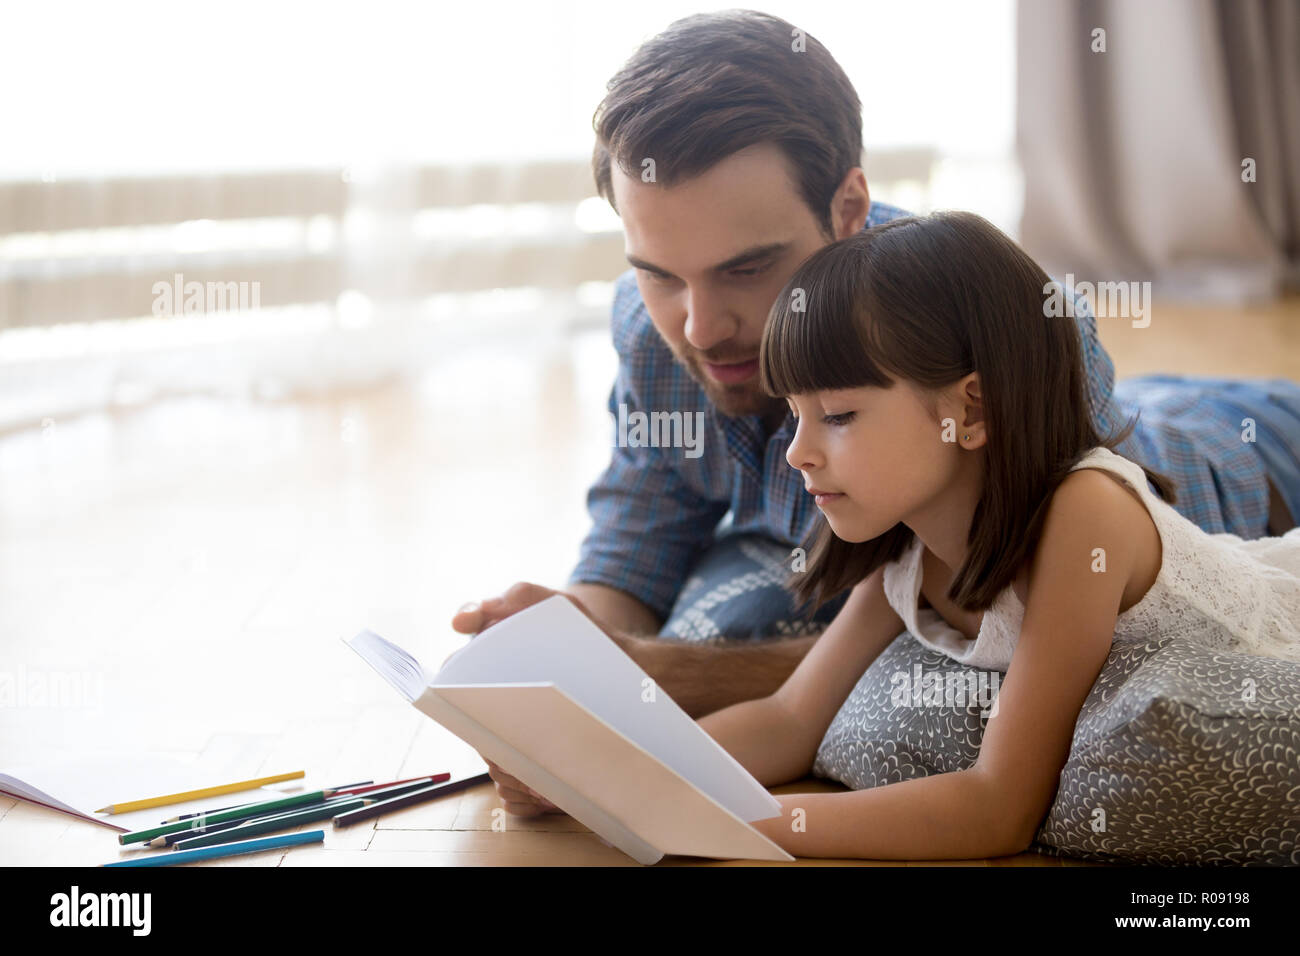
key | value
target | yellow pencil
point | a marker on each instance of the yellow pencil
(199, 794)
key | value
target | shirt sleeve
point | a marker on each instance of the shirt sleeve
(1098, 368)
(648, 525)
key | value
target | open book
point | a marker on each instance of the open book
(547, 696)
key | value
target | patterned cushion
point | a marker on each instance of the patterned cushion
(736, 590)
(1180, 755)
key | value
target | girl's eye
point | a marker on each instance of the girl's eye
(841, 419)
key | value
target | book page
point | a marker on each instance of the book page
(553, 641)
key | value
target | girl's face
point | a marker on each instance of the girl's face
(879, 452)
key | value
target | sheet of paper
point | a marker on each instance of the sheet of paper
(84, 782)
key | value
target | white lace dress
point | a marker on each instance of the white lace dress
(1219, 590)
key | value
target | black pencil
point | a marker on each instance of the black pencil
(407, 800)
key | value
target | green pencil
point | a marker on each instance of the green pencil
(222, 816)
(245, 806)
(271, 825)
(188, 834)
(374, 795)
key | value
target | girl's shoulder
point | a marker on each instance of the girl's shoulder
(1106, 490)
(1100, 470)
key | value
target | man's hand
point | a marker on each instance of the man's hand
(476, 616)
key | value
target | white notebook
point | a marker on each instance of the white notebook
(547, 696)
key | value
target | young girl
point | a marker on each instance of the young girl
(943, 425)
(944, 428)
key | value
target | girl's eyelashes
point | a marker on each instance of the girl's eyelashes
(843, 418)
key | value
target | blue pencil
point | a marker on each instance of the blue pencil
(224, 849)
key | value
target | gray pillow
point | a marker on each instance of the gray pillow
(1181, 755)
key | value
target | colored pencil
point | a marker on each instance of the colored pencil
(271, 824)
(189, 833)
(250, 810)
(407, 800)
(148, 802)
(428, 778)
(225, 849)
(341, 788)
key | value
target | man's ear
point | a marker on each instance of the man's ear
(850, 204)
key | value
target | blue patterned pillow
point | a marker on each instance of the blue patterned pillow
(736, 590)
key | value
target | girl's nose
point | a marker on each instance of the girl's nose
(800, 454)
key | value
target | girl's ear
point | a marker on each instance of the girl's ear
(971, 433)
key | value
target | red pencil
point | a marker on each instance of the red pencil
(432, 778)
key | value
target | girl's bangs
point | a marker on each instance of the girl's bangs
(827, 344)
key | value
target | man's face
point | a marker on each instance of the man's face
(711, 254)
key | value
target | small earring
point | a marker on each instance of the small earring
(965, 437)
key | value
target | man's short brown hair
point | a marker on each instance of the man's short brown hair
(714, 83)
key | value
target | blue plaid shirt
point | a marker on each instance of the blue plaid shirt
(654, 510)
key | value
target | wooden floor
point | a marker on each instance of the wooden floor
(194, 563)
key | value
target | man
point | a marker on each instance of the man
(730, 146)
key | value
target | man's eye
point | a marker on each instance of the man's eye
(750, 272)
(841, 419)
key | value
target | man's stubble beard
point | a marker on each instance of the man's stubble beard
(733, 401)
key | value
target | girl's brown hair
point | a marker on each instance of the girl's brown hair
(931, 299)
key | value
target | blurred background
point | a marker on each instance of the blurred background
(388, 395)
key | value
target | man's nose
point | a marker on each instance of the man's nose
(707, 320)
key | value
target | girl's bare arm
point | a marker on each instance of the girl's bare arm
(775, 737)
(995, 807)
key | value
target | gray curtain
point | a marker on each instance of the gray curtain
(1133, 157)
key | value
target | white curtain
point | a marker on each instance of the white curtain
(1137, 155)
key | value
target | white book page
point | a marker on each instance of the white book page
(553, 641)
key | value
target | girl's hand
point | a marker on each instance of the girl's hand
(519, 798)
